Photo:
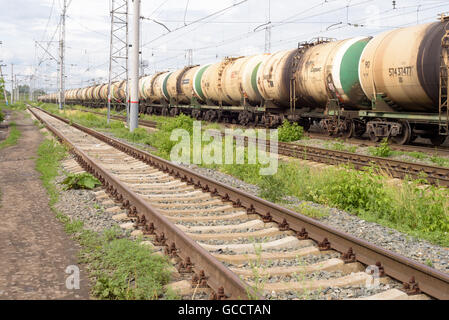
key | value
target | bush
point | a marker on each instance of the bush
(411, 207)
(2, 116)
(383, 150)
(421, 208)
(290, 131)
(347, 189)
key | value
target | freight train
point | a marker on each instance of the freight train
(391, 85)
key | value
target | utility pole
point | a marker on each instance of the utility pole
(190, 57)
(17, 94)
(1, 76)
(12, 83)
(4, 83)
(268, 39)
(118, 53)
(134, 67)
(268, 30)
(61, 57)
(30, 96)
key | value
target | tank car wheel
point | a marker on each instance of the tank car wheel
(404, 137)
(210, 115)
(305, 124)
(437, 140)
(263, 120)
(359, 129)
(174, 112)
(373, 137)
(219, 116)
(196, 114)
(348, 129)
(245, 117)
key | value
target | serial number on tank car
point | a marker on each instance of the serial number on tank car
(400, 71)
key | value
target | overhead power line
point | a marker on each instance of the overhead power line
(198, 20)
(283, 22)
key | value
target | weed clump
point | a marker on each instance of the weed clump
(383, 150)
(80, 181)
(290, 131)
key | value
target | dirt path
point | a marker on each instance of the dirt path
(34, 249)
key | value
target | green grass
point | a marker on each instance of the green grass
(50, 153)
(439, 161)
(436, 160)
(408, 208)
(384, 150)
(13, 136)
(124, 269)
(340, 146)
(311, 211)
(271, 188)
(19, 106)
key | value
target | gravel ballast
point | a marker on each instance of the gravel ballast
(385, 237)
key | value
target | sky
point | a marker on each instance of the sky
(230, 28)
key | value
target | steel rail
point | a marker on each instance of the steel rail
(218, 276)
(415, 147)
(430, 281)
(397, 169)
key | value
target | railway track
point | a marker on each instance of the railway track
(396, 169)
(231, 239)
(416, 147)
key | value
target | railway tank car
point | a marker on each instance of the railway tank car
(273, 78)
(174, 81)
(401, 69)
(188, 84)
(330, 71)
(212, 84)
(326, 78)
(387, 85)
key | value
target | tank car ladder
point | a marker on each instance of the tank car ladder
(443, 110)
